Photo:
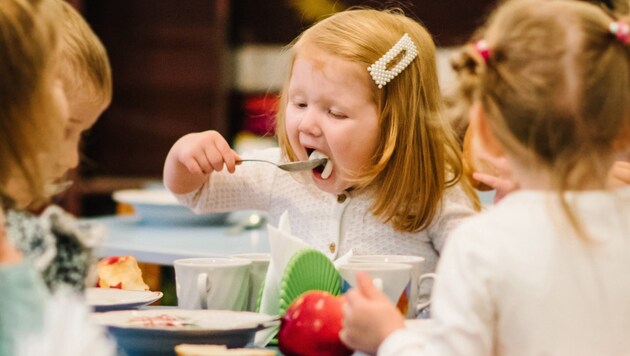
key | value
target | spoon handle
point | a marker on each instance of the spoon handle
(291, 166)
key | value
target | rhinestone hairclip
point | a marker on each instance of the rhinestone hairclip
(621, 30)
(378, 70)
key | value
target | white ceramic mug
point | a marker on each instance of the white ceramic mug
(417, 277)
(212, 283)
(257, 274)
(393, 279)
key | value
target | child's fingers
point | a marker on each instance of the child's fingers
(367, 287)
(487, 179)
(353, 296)
(502, 166)
(199, 165)
(351, 315)
(214, 157)
(355, 302)
(496, 183)
(368, 316)
(190, 153)
(347, 337)
(623, 165)
(502, 186)
(499, 164)
(227, 154)
(220, 154)
(619, 174)
(192, 165)
(237, 158)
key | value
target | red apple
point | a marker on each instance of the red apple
(311, 326)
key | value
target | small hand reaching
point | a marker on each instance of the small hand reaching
(206, 152)
(501, 181)
(369, 317)
(194, 157)
(619, 175)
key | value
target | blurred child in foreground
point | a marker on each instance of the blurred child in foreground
(59, 246)
(545, 270)
(40, 133)
(488, 172)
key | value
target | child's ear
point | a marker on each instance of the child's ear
(481, 129)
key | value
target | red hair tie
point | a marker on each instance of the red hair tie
(483, 49)
(621, 30)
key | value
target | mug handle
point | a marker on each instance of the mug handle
(420, 280)
(202, 290)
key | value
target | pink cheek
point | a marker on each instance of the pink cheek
(292, 129)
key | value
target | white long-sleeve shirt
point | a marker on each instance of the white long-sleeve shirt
(515, 281)
(330, 223)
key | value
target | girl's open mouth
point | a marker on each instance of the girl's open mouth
(324, 170)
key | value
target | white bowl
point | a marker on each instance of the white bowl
(159, 206)
(220, 327)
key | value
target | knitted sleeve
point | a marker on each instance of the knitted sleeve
(59, 246)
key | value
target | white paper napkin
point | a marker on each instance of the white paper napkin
(283, 246)
(343, 259)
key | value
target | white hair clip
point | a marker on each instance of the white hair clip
(378, 70)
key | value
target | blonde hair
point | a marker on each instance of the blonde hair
(30, 120)
(417, 156)
(84, 63)
(558, 101)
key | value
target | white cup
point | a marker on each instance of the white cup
(212, 283)
(393, 279)
(257, 274)
(417, 278)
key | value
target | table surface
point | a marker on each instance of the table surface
(164, 243)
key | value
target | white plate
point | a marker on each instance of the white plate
(222, 327)
(159, 206)
(106, 299)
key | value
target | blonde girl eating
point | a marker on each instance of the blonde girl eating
(362, 92)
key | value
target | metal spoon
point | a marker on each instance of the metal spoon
(292, 166)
